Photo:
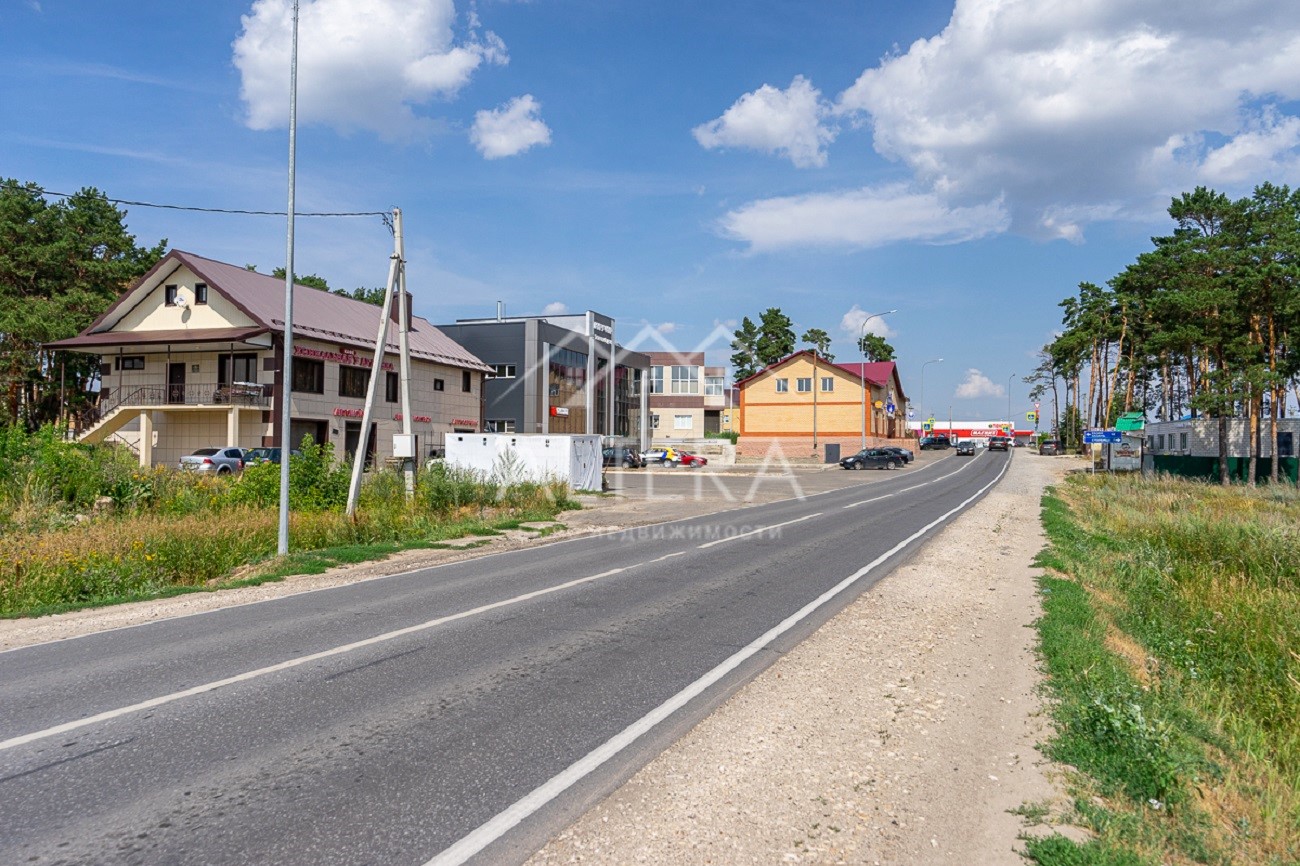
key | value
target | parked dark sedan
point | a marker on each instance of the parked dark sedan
(628, 458)
(872, 458)
(935, 443)
(907, 456)
(966, 448)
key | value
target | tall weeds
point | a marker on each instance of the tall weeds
(168, 531)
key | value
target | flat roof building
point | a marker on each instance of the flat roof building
(556, 374)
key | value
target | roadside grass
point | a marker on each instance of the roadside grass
(1169, 638)
(168, 532)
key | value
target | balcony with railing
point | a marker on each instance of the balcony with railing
(250, 394)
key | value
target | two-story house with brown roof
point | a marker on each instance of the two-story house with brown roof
(192, 356)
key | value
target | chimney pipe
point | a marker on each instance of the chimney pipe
(501, 311)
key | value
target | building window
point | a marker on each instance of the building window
(439, 385)
(686, 380)
(391, 387)
(501, 425)
(782, 386)
(828, 383)
(353, 381)
(465, 382)
(308, 376)
(502, 371)
(1182, 441)
(803, 384)
(200, 293)
(169, 295)
(683, 422)
(130, 362)
(654, 421)
(656, 380)
(713, 386)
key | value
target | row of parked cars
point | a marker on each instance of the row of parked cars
(227, 461)
(630, 458)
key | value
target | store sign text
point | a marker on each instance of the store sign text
(339, 357)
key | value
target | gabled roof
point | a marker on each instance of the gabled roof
(876, 373)
(317, 314)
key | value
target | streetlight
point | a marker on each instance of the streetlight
(862, 335)
(923, 366)
(1011, 426)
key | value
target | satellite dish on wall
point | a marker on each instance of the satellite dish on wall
(180, 301)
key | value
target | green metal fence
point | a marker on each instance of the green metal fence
(1208, 467)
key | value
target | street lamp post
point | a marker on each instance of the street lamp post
(862, 335)
(923, 366)
(1011, 425)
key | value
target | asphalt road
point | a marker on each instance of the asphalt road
(464, 712)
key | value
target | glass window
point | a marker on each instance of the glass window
(828, 383)
(466, 384)
(308, 376)
(782, 386)
(713, 386)
(501, 425)
(1182, 441)
(245, 368)
(392, 387)
(656, 380)
(686, 380)
(683, 422)
(439, 385)
(804, 384)
(502, 371)
(130, 362)
(169, 295)
(654, 421)
(353, 381)
(200, 293)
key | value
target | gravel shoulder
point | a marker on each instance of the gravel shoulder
(903, 731)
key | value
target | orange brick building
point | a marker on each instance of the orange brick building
(803, 403)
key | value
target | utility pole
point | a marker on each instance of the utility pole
(286, 362)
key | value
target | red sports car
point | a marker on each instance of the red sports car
(691, 459)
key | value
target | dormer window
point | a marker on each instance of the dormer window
(169, 295)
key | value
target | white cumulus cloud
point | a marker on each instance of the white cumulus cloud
(361, 66)
(555, 308)
(666, 327)
(1088, 107)
(789, 123)
(511, 129)
(859, 219)
(977, 384)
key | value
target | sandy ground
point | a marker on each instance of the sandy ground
(901, 732)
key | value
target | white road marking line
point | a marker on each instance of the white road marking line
(12, 742)
(488, 832)
(757, 531)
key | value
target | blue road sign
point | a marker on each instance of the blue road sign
(1102, 437)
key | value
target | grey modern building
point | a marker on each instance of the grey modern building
(558, 374)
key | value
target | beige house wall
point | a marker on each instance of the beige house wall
(767, 412)
(151, 314)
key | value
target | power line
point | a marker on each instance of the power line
(384, 214)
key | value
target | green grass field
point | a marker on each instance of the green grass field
(1170, 635)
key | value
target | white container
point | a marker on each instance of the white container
(508, 457)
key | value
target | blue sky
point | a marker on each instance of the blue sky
(677, 165)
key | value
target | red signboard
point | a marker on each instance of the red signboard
(463, 422)
(340, 357)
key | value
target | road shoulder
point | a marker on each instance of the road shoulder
(903, 731)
